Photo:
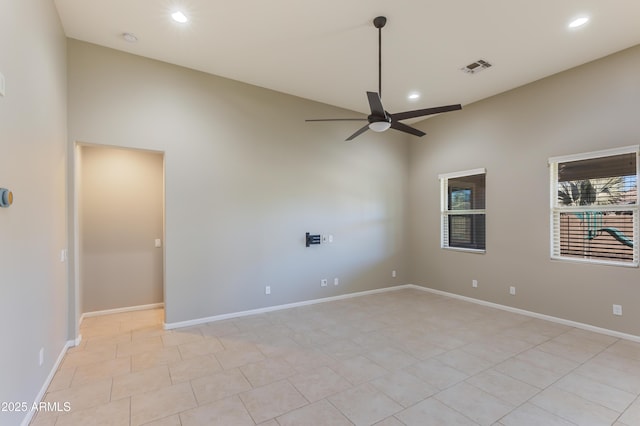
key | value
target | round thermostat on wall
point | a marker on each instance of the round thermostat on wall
(6, 197)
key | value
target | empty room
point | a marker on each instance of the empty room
(339, 213)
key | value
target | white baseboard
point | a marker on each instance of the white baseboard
(47, 382)
(562, 321)
(613, 333)
(190, 323)
(120, 310)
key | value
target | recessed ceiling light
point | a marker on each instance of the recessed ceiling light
(129, 37)
(414, 96)
(578, 22)
(178, 16)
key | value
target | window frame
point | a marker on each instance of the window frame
(556, 209)
(445, 213)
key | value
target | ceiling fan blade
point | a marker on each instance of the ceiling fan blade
(423, 112)
(407, 129)
(375, 103)
(338, 119)
(358, 133)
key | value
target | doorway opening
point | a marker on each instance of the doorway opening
(119, 221)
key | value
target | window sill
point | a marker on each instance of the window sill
(467, 250)
(595, 262)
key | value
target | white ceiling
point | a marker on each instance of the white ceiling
(327, 50)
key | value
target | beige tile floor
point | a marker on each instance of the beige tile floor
(404, 357)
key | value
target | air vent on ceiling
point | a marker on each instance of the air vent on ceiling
(476, 67)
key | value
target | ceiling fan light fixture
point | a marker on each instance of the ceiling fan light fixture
(379, 126)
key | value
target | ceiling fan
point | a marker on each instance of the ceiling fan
(381, 120)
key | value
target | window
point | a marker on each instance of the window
(462, 208)
(594, 207)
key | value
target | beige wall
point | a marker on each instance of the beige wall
(246, 177)
(512, 135)
(33, 280)
(121, 215)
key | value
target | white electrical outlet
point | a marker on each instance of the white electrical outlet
(2, 85)
(336, 281)
(325, 239)
(323, 282)
(474, 283)
(512, 290)
(41, 356)
(617, 310)
(267, 290)
(393, 274)
(330, 238)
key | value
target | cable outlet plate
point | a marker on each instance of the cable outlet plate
(323, 282)
(617, 310)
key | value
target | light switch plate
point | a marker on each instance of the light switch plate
(1, 84)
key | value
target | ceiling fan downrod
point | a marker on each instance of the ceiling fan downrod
(379, 23)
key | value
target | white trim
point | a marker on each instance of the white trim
(464, 212)
(77, 317)
(553, 200)
(29, 416)
(559, 258)
(613, 333)
(595, 154)
(472, 172)
(121, 310)
(557, 320)
(198, 321)
(469, 250)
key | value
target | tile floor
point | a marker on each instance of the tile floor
(403, 357)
